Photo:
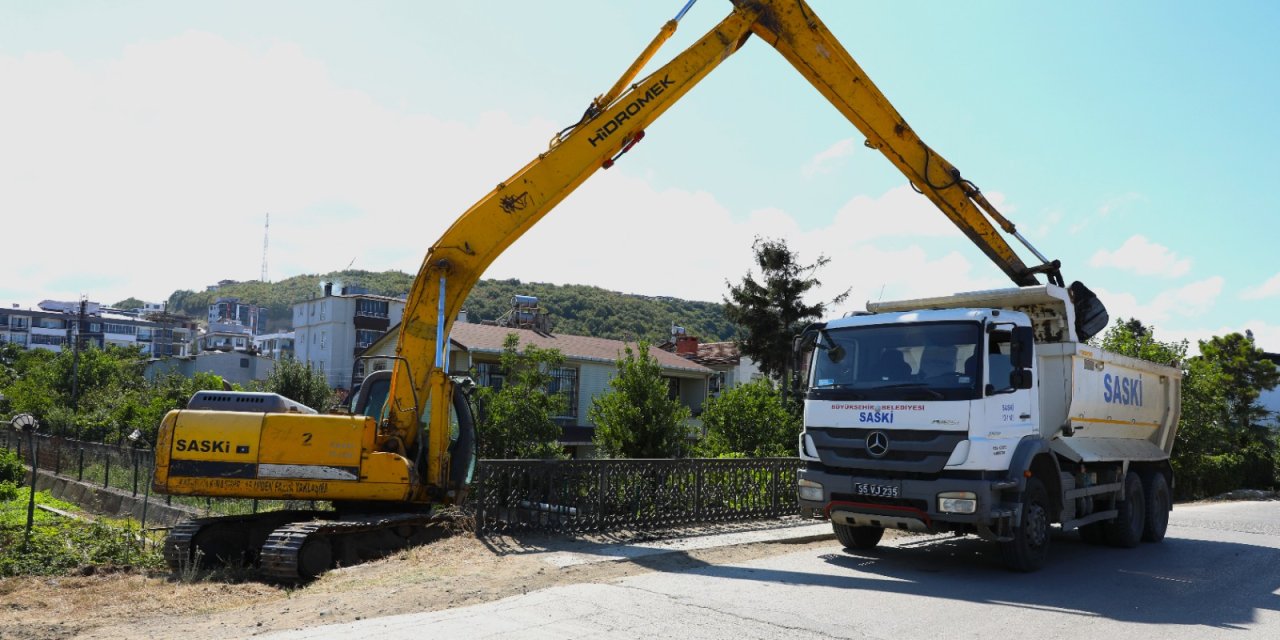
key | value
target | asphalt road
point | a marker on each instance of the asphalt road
(1217, 574)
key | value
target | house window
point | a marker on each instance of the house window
(372, 308)
(565, 380)
(717, 382)
(490, 375)
(324, 338)
(366, 337)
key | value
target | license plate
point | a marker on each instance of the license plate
(876, 490)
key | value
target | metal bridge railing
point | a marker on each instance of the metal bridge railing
(565, 496)
(577, 496)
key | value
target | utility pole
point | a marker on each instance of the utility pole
(266, 233)
(75, 359)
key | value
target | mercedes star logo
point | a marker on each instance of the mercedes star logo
(877, 444)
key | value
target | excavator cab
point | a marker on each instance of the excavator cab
(371, 397)
(370, 400)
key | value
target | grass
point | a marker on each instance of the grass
(63, 546)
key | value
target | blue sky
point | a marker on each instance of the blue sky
(143, 143)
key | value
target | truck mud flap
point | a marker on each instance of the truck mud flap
(1001, 527)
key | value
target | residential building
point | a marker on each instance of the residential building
(330, 330)
(234, 367)
(232, 311)
(55, 323)
(275, 345)
(220, 336)
(590, 363)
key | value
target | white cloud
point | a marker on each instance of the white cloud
(1268, 289)
(1189, 301)
(1265, 335)
(827, 159)
(152, 172)
(899, 212)
(1143, 257)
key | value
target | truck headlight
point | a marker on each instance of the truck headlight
(809, 490)
(957, 502)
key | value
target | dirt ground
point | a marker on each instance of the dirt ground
(457, 571)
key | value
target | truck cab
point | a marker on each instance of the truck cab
(899, 400)
(938, 415)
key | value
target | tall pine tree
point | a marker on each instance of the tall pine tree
(770, 312)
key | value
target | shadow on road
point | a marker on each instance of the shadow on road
(1180, 581)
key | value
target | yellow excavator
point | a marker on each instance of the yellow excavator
(408, 446)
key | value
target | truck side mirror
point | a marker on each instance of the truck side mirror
(1022, 349)
(1020, 378)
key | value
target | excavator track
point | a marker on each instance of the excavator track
(225, 540)
(301, 551)
(177, 546)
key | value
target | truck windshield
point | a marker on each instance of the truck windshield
(933, 361)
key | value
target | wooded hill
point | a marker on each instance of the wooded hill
(574, 309)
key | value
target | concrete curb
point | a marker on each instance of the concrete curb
(110, 501)
(569, 553)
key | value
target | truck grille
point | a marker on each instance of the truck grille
(909, 450)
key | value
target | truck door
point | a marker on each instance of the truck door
(1008, 408)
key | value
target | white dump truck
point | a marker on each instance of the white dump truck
(983, 413)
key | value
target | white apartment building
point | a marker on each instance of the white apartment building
(331, 330)
(53, 326)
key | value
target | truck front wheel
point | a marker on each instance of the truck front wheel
(1126, 530)
(857, 537)
(1029, 548)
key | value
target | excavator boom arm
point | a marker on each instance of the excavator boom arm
(457, 260)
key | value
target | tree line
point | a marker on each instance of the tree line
(574, 309)
(103, 395)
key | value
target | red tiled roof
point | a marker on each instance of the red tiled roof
(485, 338)
(718, 353)
(709, 354)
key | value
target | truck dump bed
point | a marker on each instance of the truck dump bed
(1096, 405)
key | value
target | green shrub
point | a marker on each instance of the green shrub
(11, 467)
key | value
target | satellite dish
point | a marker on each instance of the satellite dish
(25, 422)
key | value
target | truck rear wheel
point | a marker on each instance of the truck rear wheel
(858, 537)
(1158, 503)
(1029, 548)
(1126, 530)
